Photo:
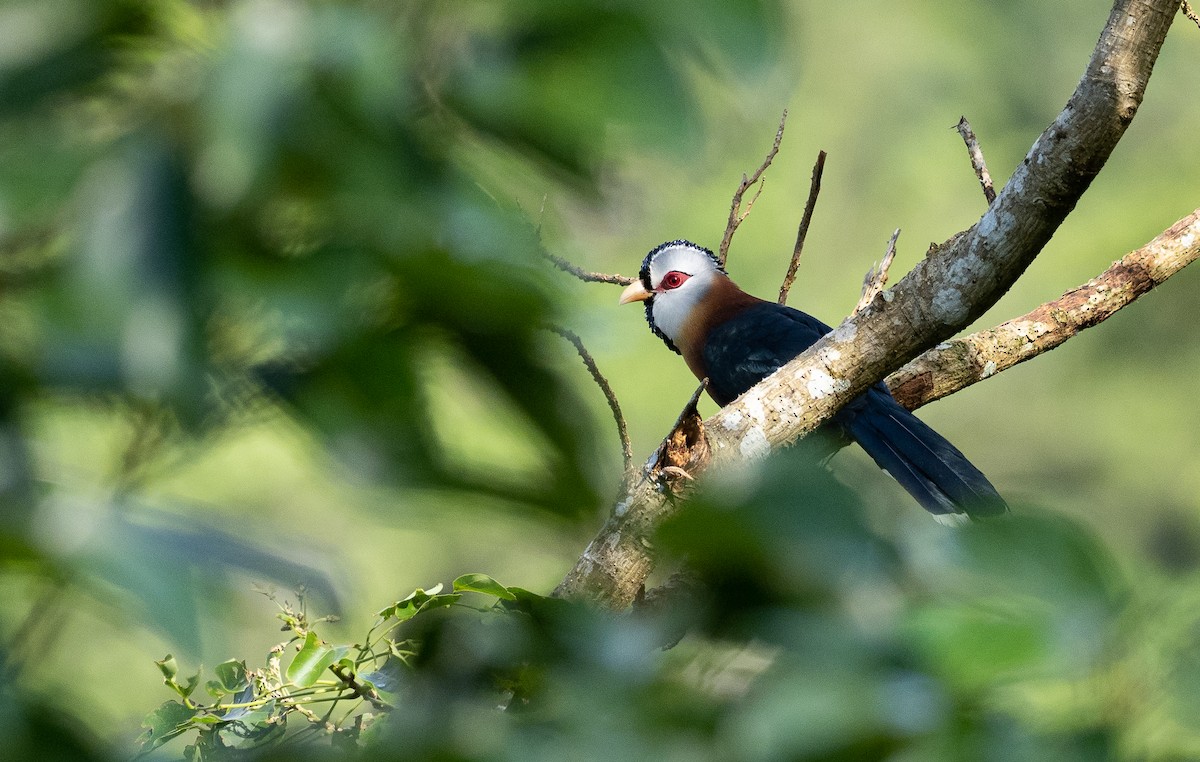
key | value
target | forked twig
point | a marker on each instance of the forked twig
(877, 277)
(814, 189)
(977, 162)
(602, 382)
(736, 215)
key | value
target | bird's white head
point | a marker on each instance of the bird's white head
(675, 277)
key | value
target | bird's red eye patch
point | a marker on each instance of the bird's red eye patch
(673, 279)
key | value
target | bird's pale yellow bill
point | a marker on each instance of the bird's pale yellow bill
(635, 292)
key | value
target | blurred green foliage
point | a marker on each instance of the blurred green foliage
(272, 309)
(810, 637)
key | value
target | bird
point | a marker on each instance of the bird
(735, 340)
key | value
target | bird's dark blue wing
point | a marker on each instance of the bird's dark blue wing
(754, 344)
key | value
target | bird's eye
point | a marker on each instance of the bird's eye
(673, 279)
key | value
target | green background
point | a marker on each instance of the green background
(271, 298)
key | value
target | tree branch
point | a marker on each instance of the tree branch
(814, 189)
(605, 388)
(958, 363)
(736, 215)
(877, 277)
(943, 293)
(585, 275)
(977, 162)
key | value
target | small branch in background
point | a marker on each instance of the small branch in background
(977, 162)
(572, 269)
(736, 215)
(1186, 8)
(814, 189)
(877, 277)
(585, 275)
(602, 382)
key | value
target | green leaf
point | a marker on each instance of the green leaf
(482, 583)
(232, 675)
(169, 667)
(166, 722)
(417, 600)
(440, 601)
(192, 682)
(251, 717)
(245, 714)
(311, 662)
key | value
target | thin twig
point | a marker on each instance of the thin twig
(567, 267)
(1187, 11)
(602, 382)
(977, 162)
(736, 215)
(585, 275)
(877, 277)
(814, 189)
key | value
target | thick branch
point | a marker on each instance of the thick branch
(943, 293)
(958, 363)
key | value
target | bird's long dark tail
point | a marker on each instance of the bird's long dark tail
(929, 467)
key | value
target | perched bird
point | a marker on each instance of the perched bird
(735, 340)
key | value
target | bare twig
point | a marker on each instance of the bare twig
(977, 162)
(736, 215)
(358, 689)
(814, 189)
(1191, 14)
(573, 269)
(877, 277)
(585, 275)
(602, 382)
